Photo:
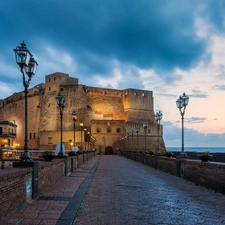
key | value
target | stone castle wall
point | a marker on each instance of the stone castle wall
(95, 107)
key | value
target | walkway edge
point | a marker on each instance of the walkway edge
(68, 216)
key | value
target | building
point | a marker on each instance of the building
(7, 133)
(110, 116)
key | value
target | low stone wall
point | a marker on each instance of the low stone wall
(208, 174)
(13, 191)
(167, 165)
(20, 185)
(50, 172)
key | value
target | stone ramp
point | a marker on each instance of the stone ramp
(113, 190)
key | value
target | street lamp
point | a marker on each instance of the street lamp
(61, 101)
(70, 141)
(88, 139)
(158, 117)
(85, 138)
(145, 125)
(28, 65)
(182, 103)
(74, 116)
(125, 143)
(81, 129)
(128, 147)
(132, 135)
(137, 130)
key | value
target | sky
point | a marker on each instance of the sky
(165, 46)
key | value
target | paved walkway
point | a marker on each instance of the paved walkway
(113, 190)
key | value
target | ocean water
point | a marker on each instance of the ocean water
(197, 149)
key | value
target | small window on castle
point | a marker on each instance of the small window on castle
(98, 130)
(49, 140)
(54, 78)
(118, 130)
(61, 89)
(49, 88)
(149, 131)
(89, 107)
(30, 135)
(49, 80)
(34, 135)
(108, 130)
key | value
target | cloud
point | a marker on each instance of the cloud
(196, 120)
(198, 94)
(192, 138)
(220, 87)
(142, 34)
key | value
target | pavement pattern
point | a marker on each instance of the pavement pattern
(113, 190)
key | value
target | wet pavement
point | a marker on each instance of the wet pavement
(113, 190)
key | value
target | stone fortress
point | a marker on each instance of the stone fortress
(110, 117)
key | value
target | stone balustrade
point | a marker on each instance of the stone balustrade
(208, 174)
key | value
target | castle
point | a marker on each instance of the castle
(110, 117)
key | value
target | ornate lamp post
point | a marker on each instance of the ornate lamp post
(128, 147)
(81, 129)
(145, 125)
(137, 131)
(125, 143)
(85, 138)
(70, 141)
(74, 116)
(158, 117)
(132, 135)
(61, 101)
(88, 140)
(28, 65)
(182, 103)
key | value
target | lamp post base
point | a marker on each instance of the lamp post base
(183, 155)
(26, 157)
(158, 153)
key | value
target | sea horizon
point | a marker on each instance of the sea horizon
(197, 149)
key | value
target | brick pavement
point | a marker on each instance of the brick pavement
(54, 204)
(125, 192)
(113, 190)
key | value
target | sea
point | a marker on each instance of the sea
(197, 149)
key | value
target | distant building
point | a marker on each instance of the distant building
(110, 116)
(7, 133)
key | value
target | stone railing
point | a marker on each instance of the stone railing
(19, 185)
(208, 174)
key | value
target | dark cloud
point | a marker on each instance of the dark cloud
(140, 33)
(215, 13)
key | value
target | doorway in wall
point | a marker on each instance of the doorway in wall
(108, 150)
